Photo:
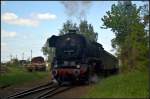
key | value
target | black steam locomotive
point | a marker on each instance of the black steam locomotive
(77, 58)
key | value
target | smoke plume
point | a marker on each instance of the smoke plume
(77, 9)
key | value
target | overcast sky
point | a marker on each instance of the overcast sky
(27, 24)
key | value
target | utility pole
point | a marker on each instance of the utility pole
(16, 56)
(10, 57)
(31, 54)
(0, 67)
(23, 56)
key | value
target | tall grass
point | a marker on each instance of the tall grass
(18, 75)
(130, 85)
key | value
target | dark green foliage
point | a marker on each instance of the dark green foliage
(48, 51)
(84, 28)
(131, 40)
(88, 31)
(66, 26)
(145, 12)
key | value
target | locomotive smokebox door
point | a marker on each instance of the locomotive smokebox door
(52, 41)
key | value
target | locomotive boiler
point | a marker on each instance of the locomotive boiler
(78, 59)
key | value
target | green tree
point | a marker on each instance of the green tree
(84, 28)
(66, 26)
(87, 30)
(130, 41)
(145, 12)
(48, 52)
(145, 16)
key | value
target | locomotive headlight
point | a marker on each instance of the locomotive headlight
(76, 72)
(54, 72)
(78, 66)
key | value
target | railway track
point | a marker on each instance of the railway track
(48, 90)
(53, 92)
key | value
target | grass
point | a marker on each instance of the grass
(131, 85)
(18, 75)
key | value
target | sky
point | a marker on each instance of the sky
(26, 25)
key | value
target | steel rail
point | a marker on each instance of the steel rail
(47, 92)
(32, 90)
(50, 94)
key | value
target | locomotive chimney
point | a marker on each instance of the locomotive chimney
(72, 30)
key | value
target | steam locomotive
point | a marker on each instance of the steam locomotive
(78, 59)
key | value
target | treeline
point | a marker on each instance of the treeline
(131, 35)
(84, 28)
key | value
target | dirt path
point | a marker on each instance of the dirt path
(76, 92)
